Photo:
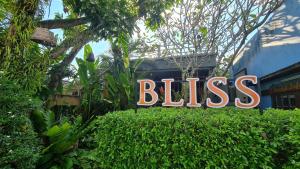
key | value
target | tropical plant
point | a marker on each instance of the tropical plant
(91, 79)
(120, 79)
(60, 138)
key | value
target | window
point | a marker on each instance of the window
(292, 101)
(284, 101)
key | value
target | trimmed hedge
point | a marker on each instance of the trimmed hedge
(197, 138)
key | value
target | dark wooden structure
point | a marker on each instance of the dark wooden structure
(160, 68)
(284, 87)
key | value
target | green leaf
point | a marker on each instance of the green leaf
(67, 163)
(123, 42)
(87, 51)
(112, 83)
(38, 120)
(124, 79)
(203, 31)
(82, 72)
(137, 63)
(56, 131)
(253, 16)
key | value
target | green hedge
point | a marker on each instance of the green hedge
(197, 138)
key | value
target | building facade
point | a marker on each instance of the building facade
(273, 55)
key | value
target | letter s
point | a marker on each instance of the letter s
(255, 99)
(211, 87)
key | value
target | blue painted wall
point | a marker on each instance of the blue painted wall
(275, 46)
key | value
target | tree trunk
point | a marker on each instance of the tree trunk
(56, 77)
(184, 86)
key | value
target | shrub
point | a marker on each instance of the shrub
(197, 138)
(18, 142)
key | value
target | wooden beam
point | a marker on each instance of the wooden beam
(64, 100)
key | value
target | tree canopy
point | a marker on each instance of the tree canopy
(210, 27)
(87, 20)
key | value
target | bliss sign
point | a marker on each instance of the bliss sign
(239, 84)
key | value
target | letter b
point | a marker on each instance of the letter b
(142, 101)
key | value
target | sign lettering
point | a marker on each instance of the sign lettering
(147, 86)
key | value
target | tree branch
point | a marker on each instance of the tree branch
(69, 42)
(63, 23)
(246, 35)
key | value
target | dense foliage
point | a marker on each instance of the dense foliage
(60, 139)
(19, 144)
(21, 59)
(198, 138)
(111, 17)
(120, 77)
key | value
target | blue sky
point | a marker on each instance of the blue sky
(57, 7)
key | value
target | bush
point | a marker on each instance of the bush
(197, 138)
(18, 142)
